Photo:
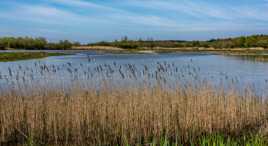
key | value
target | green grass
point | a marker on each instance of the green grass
(14, 56)
(211, 140)
(219, 140)
(215, 140)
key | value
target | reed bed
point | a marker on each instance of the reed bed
(145, 114)
(128, 116)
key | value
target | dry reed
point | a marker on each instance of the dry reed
(127, 115)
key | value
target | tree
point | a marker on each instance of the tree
(76, 44)
(124, 39)
(65, 44)
(2, 45)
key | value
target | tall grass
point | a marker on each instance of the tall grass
(144, 114)
(128, 116)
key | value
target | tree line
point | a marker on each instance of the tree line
(33, 43)
(42, 43)
(238, 42)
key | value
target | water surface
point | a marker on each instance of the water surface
(91, 69)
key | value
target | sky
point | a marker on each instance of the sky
(107, 20)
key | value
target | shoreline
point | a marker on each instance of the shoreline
(193, 49)
(150, 50)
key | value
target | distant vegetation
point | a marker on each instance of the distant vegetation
(41, 43)
(33, 43)
(238, 42)
(25, 55)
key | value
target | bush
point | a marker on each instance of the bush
(32, 43)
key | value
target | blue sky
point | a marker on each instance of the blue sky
(97, 20)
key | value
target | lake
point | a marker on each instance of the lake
(90, 69)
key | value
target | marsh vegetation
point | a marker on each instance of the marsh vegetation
(133, 116)
(90, 108)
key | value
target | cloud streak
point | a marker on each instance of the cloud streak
(203, 9)
(84, 4)
(41, 14)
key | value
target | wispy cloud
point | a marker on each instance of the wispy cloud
(42, 14)
(188, 7)
(205, 10)
(119, 15)
(52, 15)
(84, 4)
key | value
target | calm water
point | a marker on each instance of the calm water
(91, 69)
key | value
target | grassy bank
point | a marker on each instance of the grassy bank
(14, 56)
(136, 116)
